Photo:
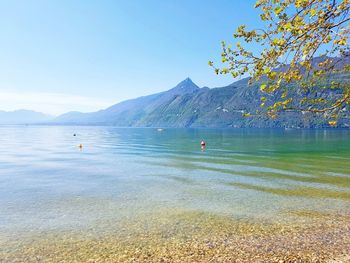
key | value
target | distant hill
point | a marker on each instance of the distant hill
(23, 117)
(130, 112)
(187, 105)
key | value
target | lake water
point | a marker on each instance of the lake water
(145, 186)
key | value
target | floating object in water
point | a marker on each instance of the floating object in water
(80, 146)
(160, 129)
(74, 134)
(203, 145)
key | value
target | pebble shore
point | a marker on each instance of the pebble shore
(191, 237)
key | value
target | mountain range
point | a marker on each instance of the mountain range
(187, 105)
(23, 117)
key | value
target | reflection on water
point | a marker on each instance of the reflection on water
(48, 184)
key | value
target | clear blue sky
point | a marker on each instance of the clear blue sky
(63, 55)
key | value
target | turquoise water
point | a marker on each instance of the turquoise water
(122, 174)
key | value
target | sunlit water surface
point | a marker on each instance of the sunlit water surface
(123, 175)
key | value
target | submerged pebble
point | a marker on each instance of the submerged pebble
(213, 239)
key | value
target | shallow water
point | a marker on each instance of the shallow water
(127, 179)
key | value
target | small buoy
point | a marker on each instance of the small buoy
(203, 146)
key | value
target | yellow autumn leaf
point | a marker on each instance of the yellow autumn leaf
(312, 12)
(332, 123)
(278, 10)
(263, 87)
